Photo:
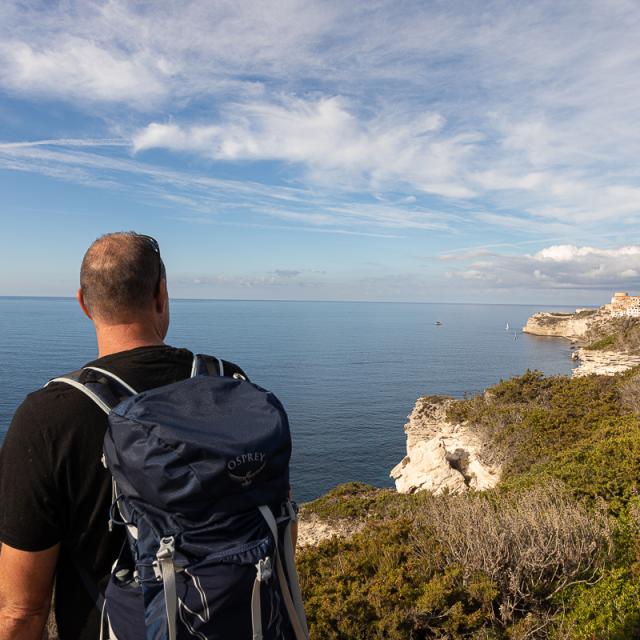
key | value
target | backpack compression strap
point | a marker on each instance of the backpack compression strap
(293, 605)
(103, 387)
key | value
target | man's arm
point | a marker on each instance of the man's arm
(26, 581)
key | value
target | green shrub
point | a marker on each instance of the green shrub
(526, 420)
(364, 587)
(608, 609)
(468, 566)
(608, 342)
(359, 500)
(616, 334)
(606, 465)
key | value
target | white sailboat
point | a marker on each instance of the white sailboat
(507, 327)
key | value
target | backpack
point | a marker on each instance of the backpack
(200, 480)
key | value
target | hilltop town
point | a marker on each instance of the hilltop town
(623, 305)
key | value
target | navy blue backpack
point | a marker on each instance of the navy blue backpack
(200, 472)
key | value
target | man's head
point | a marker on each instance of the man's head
(123, 281)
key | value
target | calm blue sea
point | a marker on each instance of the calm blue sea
(348, 373)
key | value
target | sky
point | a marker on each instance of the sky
(374, 150)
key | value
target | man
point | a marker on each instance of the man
(54, 492)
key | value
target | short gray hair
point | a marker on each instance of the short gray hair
(120, 275)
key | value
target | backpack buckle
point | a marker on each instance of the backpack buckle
(167, 548)
(264, 569)
(166, 551)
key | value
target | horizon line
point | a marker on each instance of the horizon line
(178, 299)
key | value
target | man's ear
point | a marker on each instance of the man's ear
(83, 306)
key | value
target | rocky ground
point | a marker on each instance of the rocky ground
(312, 530)
(603, 363)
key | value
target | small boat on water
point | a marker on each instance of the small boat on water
(437, 322)
(507, 327)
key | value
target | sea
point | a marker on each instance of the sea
(348, 373)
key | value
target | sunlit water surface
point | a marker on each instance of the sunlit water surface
(348, 373)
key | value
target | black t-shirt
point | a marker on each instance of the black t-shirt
(53, 487)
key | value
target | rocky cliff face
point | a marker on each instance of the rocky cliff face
(562, 325)
(441, 455)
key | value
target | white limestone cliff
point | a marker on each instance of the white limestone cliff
(441, 456)
(563, 325)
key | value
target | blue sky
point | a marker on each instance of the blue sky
(418, 151)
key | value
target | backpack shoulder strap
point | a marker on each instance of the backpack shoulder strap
(101, 386)
(206, 366)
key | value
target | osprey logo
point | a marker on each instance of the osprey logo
(244, 468)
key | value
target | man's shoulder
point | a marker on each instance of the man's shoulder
(55, 397)
(54, 407)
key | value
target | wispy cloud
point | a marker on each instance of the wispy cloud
(518, 118)
(79, 69)
(333, 145)
(201, 198)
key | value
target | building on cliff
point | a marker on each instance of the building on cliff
(623, 305)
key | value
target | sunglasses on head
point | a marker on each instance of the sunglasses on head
(156, 248)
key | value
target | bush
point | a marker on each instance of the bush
(606, 465)
(603, 344)
(475, 565)
(357, 500)
(530, 544)
(363, 587)
(526, 420)
(607, 610)
(630, 394)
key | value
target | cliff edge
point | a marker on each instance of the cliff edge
(441, 456)
(609, 338)
(564, 325)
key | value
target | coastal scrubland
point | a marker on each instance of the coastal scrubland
(552, 552)
(618, 334)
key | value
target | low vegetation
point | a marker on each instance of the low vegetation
(552, 552)
(585, 313)
(617, 334)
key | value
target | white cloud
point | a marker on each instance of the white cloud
(558, 267)
(334, 146)
(80, 69)
(529, 108)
